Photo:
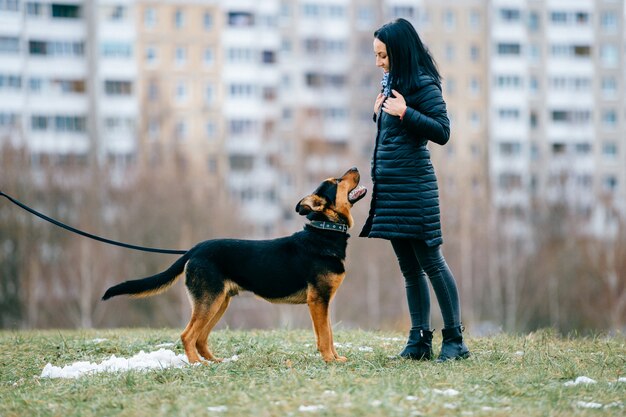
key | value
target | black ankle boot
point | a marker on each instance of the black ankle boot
(452, 346)
(419, 346)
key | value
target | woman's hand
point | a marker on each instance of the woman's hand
(395, 105)
(379, 101)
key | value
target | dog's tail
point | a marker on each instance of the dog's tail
(152, 285)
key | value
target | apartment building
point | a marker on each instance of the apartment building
(557, 109)
(180, 91)
(67, 78)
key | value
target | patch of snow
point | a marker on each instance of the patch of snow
(621, 379)
(390, 339)
(310, 408)
(447, 392)
(584, 404)
(376, 403)
(449, 406)
(164, 345)
(412, 398)
(218, 408)
(613, 404)
(159, 359)
(580, 380)
(330, 393)
(519, 353)
(99, 340)
(365, 349)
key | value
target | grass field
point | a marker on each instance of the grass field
(279, 373)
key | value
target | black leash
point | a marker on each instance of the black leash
(89, 235)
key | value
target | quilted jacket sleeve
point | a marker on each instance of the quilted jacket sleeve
(428, 117)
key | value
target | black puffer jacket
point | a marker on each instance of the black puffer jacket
(405, 198)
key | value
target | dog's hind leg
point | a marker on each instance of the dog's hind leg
(203, 311)
(202, 342)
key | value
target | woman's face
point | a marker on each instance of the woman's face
(382, 59)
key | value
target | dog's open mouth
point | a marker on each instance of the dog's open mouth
(356, 194)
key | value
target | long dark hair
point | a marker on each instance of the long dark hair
(408, 57)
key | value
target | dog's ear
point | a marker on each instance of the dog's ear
(310, 203)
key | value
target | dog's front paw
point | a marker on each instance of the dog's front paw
(341, 359)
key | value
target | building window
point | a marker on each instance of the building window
(10, 5)
(609, 150)
(508, 181)
(153, 90)
(207, 21)
(149, 18)
(609, 55)
(365, 16)
(117, 88)
(39, 123)
(406, 12)
(180, 93)
(609, 87)
(474, 86)
(34, 9)
(268, 57)
(10, 82)
(510, 149)
(9, 120)
(449, 19)
(241, 162)
(583, 149)
(450, 87)
(208, 57)
(239, 55)
(209, 94)
(450, 52)
(609, 183)
(179, 19)
(180, 56)
(240, 19)
(116, 50)
(180, 129)
(154, 128)
(9, 45)
(609, 22)
(241, 91)
(475, 20)
(510, 15)
(509, 114)
(509, 49)
(474, 53)
(210, 129)
(509, 81)
(609, 119)
(66, 11)
(151, 55)
(558, 18)
(533, 21)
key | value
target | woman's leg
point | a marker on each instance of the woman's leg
(419, 343)
(435, 266)
(417, 292)
(433, 263)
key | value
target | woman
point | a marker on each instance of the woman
(409, 112)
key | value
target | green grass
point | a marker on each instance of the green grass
(280, 371)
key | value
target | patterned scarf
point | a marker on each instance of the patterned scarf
(386, 84)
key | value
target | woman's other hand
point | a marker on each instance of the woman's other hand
(379, 101)
(395, 104)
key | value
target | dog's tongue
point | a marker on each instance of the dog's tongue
(357, 193)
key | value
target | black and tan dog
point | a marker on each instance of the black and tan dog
(306, 267)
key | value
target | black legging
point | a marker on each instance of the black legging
(416, 261)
